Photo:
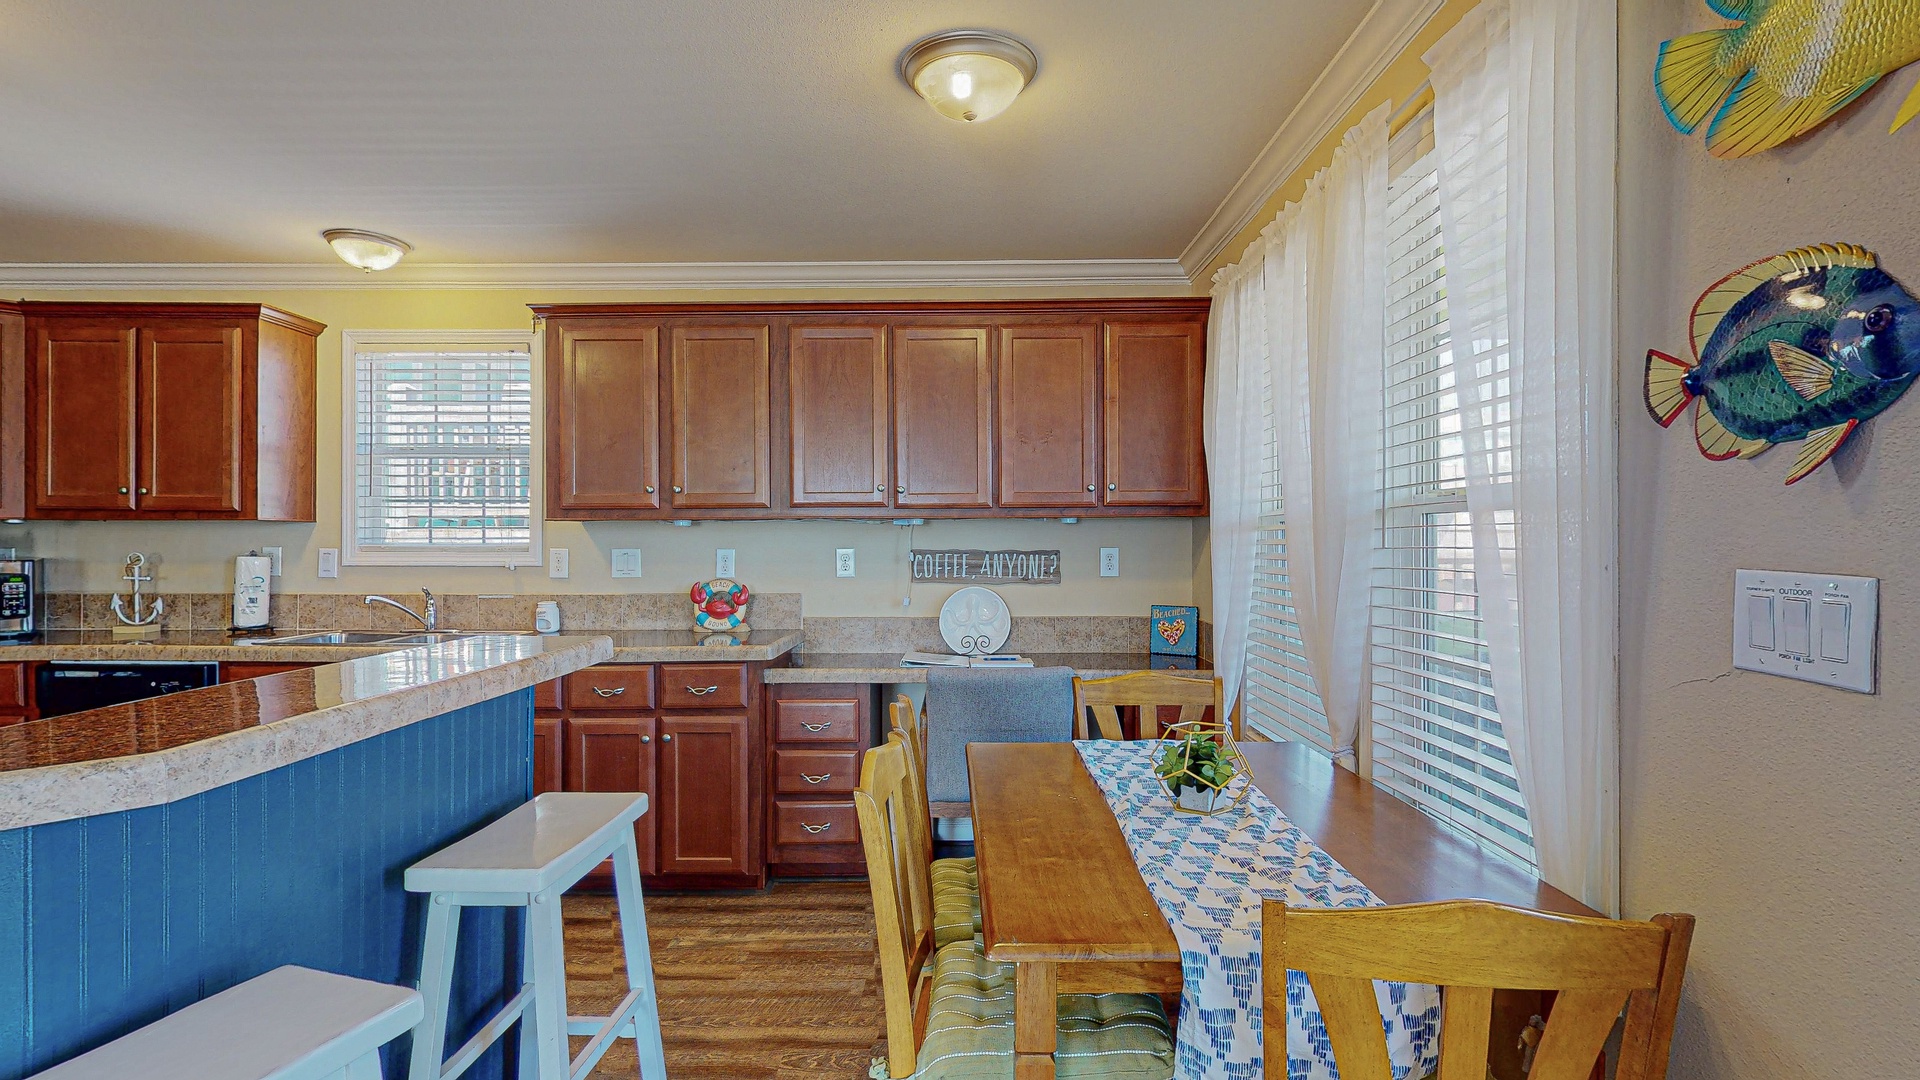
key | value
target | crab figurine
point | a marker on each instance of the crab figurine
(720, 606)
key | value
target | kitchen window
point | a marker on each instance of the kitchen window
(1436, 738)
(1281, 700)
(439, 449)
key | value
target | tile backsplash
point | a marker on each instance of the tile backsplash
(349, 611)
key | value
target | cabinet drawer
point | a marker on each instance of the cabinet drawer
(815, 772)
(627, 687)
(796, 822)
(816, 720)
(703, 686)
(13, 686)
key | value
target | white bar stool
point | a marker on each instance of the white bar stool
(527, 859)
(292, 1023)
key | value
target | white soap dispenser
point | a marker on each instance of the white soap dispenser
(251, 591)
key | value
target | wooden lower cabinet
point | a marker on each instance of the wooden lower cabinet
(549, 752)
(616, 753)
(818, 732)
(706, 797)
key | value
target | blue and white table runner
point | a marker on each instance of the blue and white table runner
(1209, 875)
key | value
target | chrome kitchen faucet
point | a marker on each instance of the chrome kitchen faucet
(430, 620)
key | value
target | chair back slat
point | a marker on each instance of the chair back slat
(1147, 690)
(899, 879)
(906, 729)
(1471, 948)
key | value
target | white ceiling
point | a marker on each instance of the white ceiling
(495, 131)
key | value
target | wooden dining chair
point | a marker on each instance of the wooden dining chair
(956, 882)
(1470, 948)
(949, 1009)
(1147, 690)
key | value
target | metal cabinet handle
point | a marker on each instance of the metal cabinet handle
(646, 738)
(143, 491)
(1089, 487)
(879, 487)
(666, 738)
(823, 827)
(676, 489)
(821, 779)
(649, 489)
(1111, 487)
(902, 489)
(123, 491)
(816, 727)
(698, 691)
(604, 692)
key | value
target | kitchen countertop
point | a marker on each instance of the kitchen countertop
(164, 749)
(629, 646)
(811, 667)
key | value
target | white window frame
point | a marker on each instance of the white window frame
(353, 342)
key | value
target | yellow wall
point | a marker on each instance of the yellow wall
(1156, 557)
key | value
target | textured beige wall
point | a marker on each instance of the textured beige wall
(1156, 555)
(1784, 815)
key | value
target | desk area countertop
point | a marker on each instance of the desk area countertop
(813, 667)
(165, 749)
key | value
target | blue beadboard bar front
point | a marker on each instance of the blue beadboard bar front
(108, 923)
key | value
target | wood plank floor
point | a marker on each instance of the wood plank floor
(778, 985)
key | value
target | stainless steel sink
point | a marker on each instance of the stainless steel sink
(359, 637)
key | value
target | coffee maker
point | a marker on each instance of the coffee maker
(20, 614)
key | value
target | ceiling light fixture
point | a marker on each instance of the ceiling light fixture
(969, 75)
(369, 251)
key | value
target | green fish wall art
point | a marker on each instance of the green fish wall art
(1806, 346)
(1785, 69)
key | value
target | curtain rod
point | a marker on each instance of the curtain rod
(1421, 97)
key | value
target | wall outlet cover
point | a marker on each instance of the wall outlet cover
(843, 562)
(626, 562)
(723, 562)
(1110, 562)
(556, 562)
(329, 563)
(276, 555)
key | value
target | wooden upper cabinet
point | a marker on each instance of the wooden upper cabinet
(84, 374)
(189, 382)
(722, 417)
(1152, 401)
(1047, 426)
(13, 412)
(837, 387)
(942, 417)
(603, 418)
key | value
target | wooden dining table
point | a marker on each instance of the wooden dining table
(1063, 901)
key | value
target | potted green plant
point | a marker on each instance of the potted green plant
(1195, 766)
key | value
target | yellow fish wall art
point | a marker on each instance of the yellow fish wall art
(1786, 68)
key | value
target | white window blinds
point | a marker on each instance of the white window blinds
(1281, 702)
(442, 454)
(1436, 735)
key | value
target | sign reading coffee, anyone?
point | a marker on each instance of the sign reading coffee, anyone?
(972, 566)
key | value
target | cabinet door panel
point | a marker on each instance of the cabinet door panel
(1153, 406)
(83, 413)
(942, 417)
(837, 380)
(722, 412)
(189, 419)
(603, 418)
(548, 754)
(705, 799)
(608, 753)
(13, 414)
(1047, 426)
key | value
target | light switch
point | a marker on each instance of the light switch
(329, 563)
(1796, 625)
(626, 562)
(1760, 622)
(1834, 619)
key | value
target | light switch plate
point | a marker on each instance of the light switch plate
(329, 563)
(723, 562)
(1821, 628)
(1110, 562)
(276, 555)
(556, 562)
(843, 562)
(626, 562)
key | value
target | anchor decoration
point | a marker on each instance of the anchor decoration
(135, 563)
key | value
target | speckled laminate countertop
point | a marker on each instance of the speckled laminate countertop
(811, 667)
(629, 646)
(167, 748)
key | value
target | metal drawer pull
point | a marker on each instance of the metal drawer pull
(816, 727)
(604, 692)
(701, 692)
(821, 779)
(823, 827)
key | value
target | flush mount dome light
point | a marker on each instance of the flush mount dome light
(369, 251)
(969, 75)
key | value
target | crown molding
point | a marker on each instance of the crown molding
(1010, 273)
(1389, 27)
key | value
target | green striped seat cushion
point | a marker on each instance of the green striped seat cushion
(970, 1026)
(956, 901)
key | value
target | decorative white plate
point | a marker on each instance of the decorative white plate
(974, 621)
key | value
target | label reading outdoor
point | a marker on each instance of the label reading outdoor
(987, 567)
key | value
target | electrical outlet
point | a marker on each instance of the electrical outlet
(723, 562)
(274, 554)
(843, 562)
(1109, 562)
(556, 562)
(329, 562)
(626, 562)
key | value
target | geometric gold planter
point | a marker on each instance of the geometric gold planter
(1196, 795)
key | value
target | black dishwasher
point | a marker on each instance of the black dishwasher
(63, 687)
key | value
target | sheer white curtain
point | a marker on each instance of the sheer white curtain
(1524, 93)
(1319, 271)
(1235, 428)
